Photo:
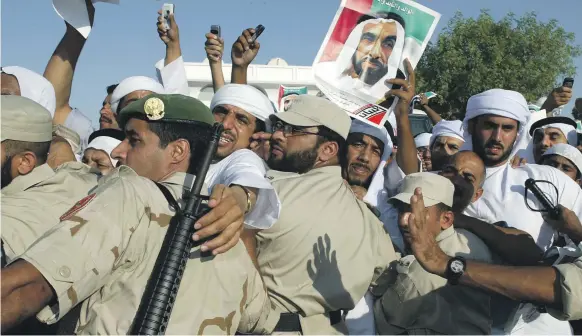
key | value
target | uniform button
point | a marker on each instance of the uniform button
(64, 271)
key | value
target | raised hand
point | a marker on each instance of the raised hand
(243, 51)
(214, 48)
(407, 89)
(170, 37)
(421, 240)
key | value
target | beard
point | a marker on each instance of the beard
(480, 150)
(298, 162)
(463, 194)
(5, 173)
(438, 161)
(370, 75)
(358, 181)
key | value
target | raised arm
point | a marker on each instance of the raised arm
(515, 246)
(214, 47)
(533, 284)
(243, 53)
(406, 156)
(61, 67)
(171, 73)
(170, 37)
(558, 97)
(432, 114)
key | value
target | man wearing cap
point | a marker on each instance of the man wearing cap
(556, 288)
(103, 252)
(550, 131)
(101, 144)
(422, 142)
(368, 148)
(495, 126)
(19, 81)
(327, 247)
(243, 111)
(566, 158)
(411, 300)
(34, 195)
(446, 140)
(71, 137)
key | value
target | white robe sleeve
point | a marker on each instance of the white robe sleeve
(245, 168)
(393, 177)
(360, 320)
(173, 76)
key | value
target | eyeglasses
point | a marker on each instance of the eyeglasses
(289, 130)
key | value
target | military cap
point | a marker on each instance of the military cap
(435, 189)
(24, 120)
(306, 110)
(168, 108)
(70, 135)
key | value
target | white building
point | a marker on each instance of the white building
(277, 72)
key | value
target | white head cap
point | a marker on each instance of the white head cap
(245, 97)
(131, 84)
(34, 87)
(422, 140)
(569, 152)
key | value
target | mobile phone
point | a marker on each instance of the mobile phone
(167, 9)
(568, 82)
(258, 31)
(215, 29)
(579, 139)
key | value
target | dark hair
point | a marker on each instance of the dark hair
(260, 125)
(383, 15)
(578, 172)
(108, 132)
(111, 88)
(441, 207)
(40, 149)
(326, 134)
(390, 130)
(197, 135)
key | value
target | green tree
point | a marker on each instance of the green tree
(474, 55)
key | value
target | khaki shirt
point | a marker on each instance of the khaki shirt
(33, 203)
(571, 291)
(415, 301)
(104, 250)
(323, 252)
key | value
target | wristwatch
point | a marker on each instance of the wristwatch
(455, 269)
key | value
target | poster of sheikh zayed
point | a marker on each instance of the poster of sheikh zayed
(367, 44)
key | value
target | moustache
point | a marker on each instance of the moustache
(360, 165)
(493, 143)
(463, 194)
(104, 119)
(228, 134)
(371, 60)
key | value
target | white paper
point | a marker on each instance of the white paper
(74, 12)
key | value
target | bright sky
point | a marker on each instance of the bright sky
(124, 41)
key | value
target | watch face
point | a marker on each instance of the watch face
(457, 266)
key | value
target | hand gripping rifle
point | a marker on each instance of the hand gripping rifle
(161, 290)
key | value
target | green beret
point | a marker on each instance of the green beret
(168, 108)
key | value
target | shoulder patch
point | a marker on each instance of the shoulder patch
(77, 207)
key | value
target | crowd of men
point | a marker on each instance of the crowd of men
(318, 223)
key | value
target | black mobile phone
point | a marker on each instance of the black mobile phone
(258, 31)
(215, 29)
(579, 139)
(568, 82)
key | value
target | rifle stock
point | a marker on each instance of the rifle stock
(161, 290)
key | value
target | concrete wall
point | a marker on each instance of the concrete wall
(269, 77)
